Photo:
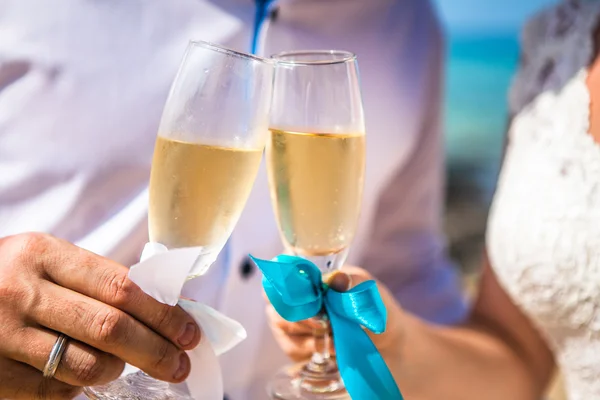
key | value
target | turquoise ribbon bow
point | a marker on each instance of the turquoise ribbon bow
(296, 290)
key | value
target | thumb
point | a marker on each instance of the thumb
(349, 277)
(339, 281)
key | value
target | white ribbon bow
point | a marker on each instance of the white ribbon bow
(161, 274)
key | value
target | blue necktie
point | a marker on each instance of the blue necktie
(262, 10)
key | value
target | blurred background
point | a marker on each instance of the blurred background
(482, 55)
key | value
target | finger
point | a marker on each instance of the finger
(107, 281)
(296, 340)
(301, 328)
(23, 382)
(109, 330)
(297, 348)
(339, 281)
(80, 365)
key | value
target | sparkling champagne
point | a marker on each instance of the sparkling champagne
(197, 192)
(316, 188)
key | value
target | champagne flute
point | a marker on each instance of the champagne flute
(207, 154)
(316, 163)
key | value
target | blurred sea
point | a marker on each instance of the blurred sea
(480, 67)
(479, 71)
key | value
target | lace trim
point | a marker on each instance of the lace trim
(544, 64)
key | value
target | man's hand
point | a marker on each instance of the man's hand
(49, 286)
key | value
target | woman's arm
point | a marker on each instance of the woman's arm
(498, 354)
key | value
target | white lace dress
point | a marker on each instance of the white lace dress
(544, 228)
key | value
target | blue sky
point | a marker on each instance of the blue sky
(488, 15)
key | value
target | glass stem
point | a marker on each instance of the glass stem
(321, 358)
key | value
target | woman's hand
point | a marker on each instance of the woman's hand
(297, 339)
(497, 351)
(49, 286)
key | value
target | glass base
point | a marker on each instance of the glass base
(301, 382)
(138, 386)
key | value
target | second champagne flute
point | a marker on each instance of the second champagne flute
(316, 165)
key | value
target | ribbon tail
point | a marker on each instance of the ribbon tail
(222, 332)
(207, 381)
(365, 373)
(219, 334)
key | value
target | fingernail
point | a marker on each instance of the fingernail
(188, 335)
(340, 282)
(184, 366)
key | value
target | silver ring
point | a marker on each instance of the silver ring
(55, 356)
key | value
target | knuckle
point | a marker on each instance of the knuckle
(28, 245)
(120, 289)
(110, 328)
(164, 317)
(81, 310)
(9, 291)
(23, 250)
(165, 355)
(18, 293)
(20, 257)
(90, 369)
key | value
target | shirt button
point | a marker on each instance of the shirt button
(274, 13)
(247, 268)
